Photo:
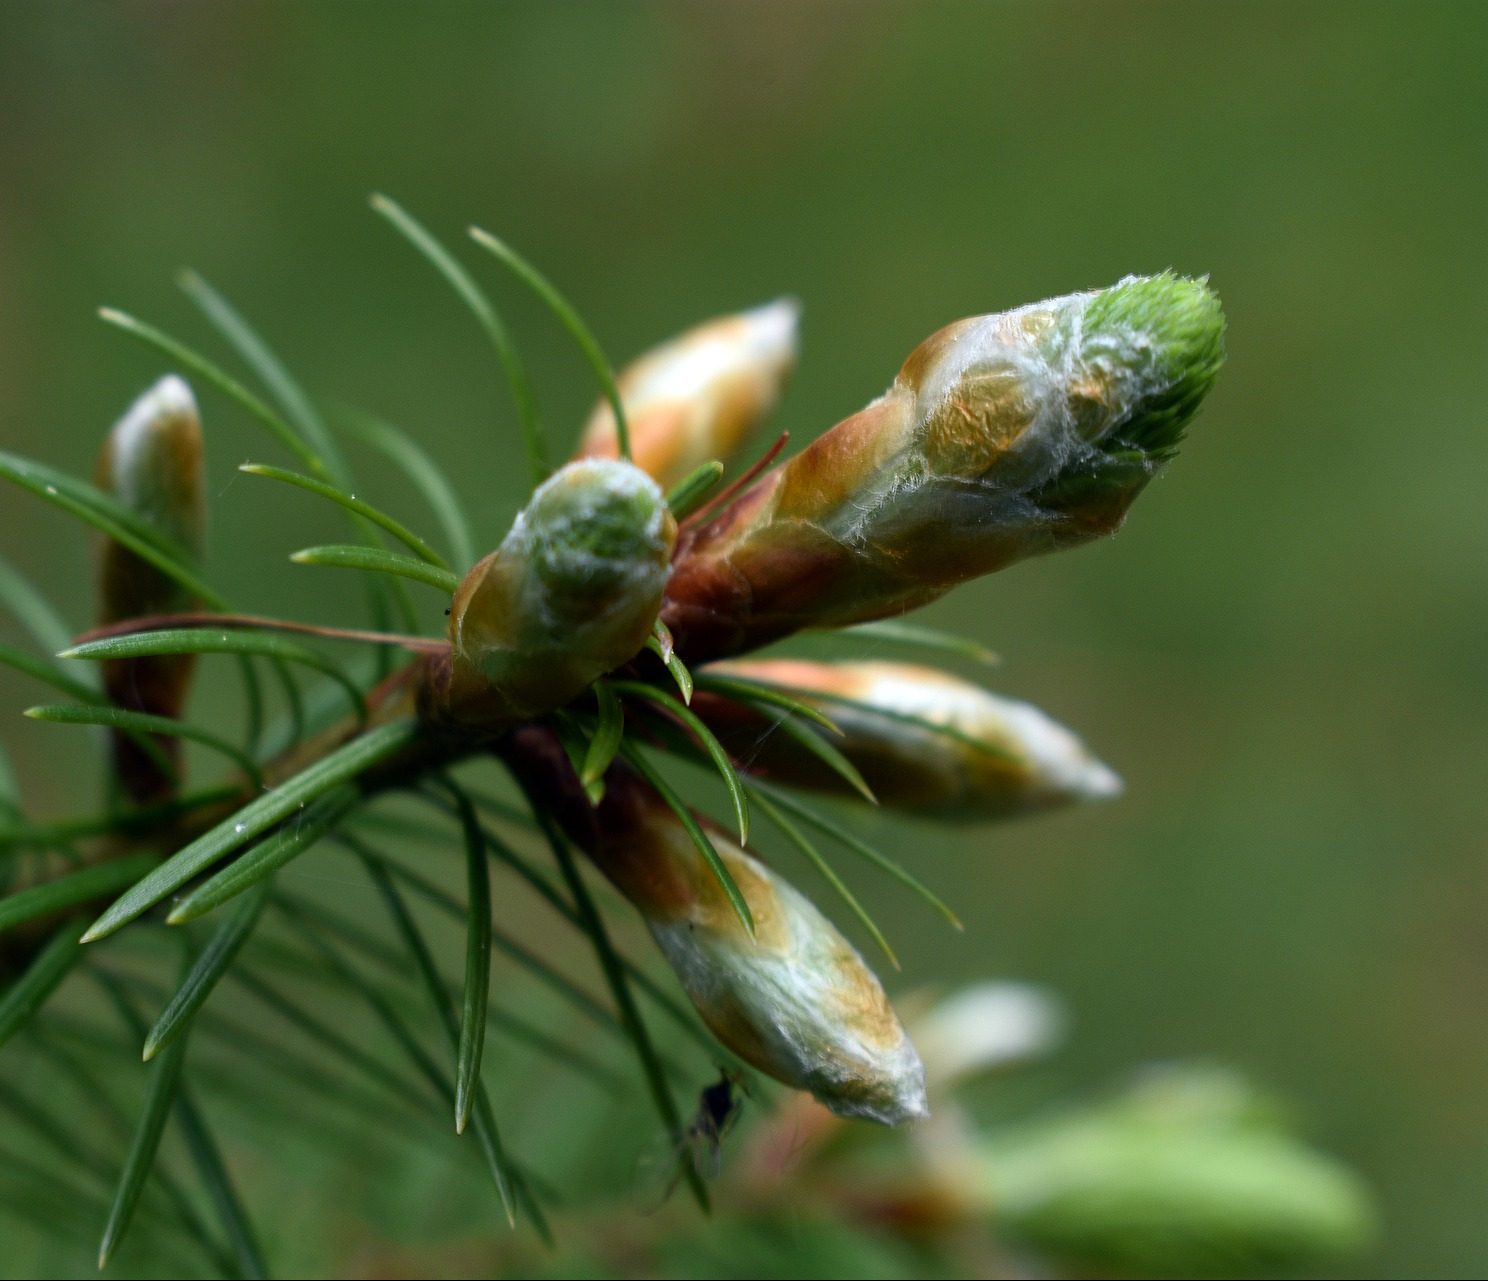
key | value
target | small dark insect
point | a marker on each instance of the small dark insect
(718, 1108)
(701, 1142)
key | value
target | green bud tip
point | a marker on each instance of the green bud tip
(1165, 334)
(593, 522)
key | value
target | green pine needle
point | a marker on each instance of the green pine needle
(95, 1090)
(122, 822)
(374, 1070)
(660, 644)
(920, 723)
(609, 730)
(267, 857)
(143, 723)
(394, 1023)
(71, 889)
(298, 408)
(337, 767)
(178, 353)
(894, 631)
(799, 839)
(683, 498)
(10, 789)
(160, 1094)
(95, 508)
(308, 426)
(348, 556)
(710, 744)
(253, 708)
(20, 1002)
(212, 1170)
(92, 707)
(503, 853)
(569, 318)
(351, 503)
(484, 1117)
(490, 320)
(29, 664)
(205, 972)
(528, 960)
(206, 640)
(472, 1038)
(33, 611)
(825, 751)
(616, 977)
(770, 695)
(829, 827)
(695, 833)
(422, 473)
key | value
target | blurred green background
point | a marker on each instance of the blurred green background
(1284, 653)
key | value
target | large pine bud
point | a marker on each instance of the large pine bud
(1003, 436)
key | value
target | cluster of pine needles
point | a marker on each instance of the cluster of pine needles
(65, 865)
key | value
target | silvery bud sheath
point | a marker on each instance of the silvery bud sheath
(571, 593)
(152, 463)
(924, 741)
(1002, 437)
(796, 1001)
(697, 397)
(984, 1027)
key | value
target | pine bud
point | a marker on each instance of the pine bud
(695, 399)
(571, 593)
(1152, 1186)
(924, 741)
(984, 1027)
(152, 463)
(1003, 436)
(796, 1001)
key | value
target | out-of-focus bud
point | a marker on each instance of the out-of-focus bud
(571, 593)
(152, 463)
(985, 1027)
(1163, 1184)
(796, 1001)
(1003, 436)
(923, 740)
(697, 397)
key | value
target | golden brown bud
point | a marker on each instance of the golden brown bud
(1003, 436)
(796, 1001)
(923, 740)
(696, 398)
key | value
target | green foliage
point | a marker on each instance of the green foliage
(253, 819)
